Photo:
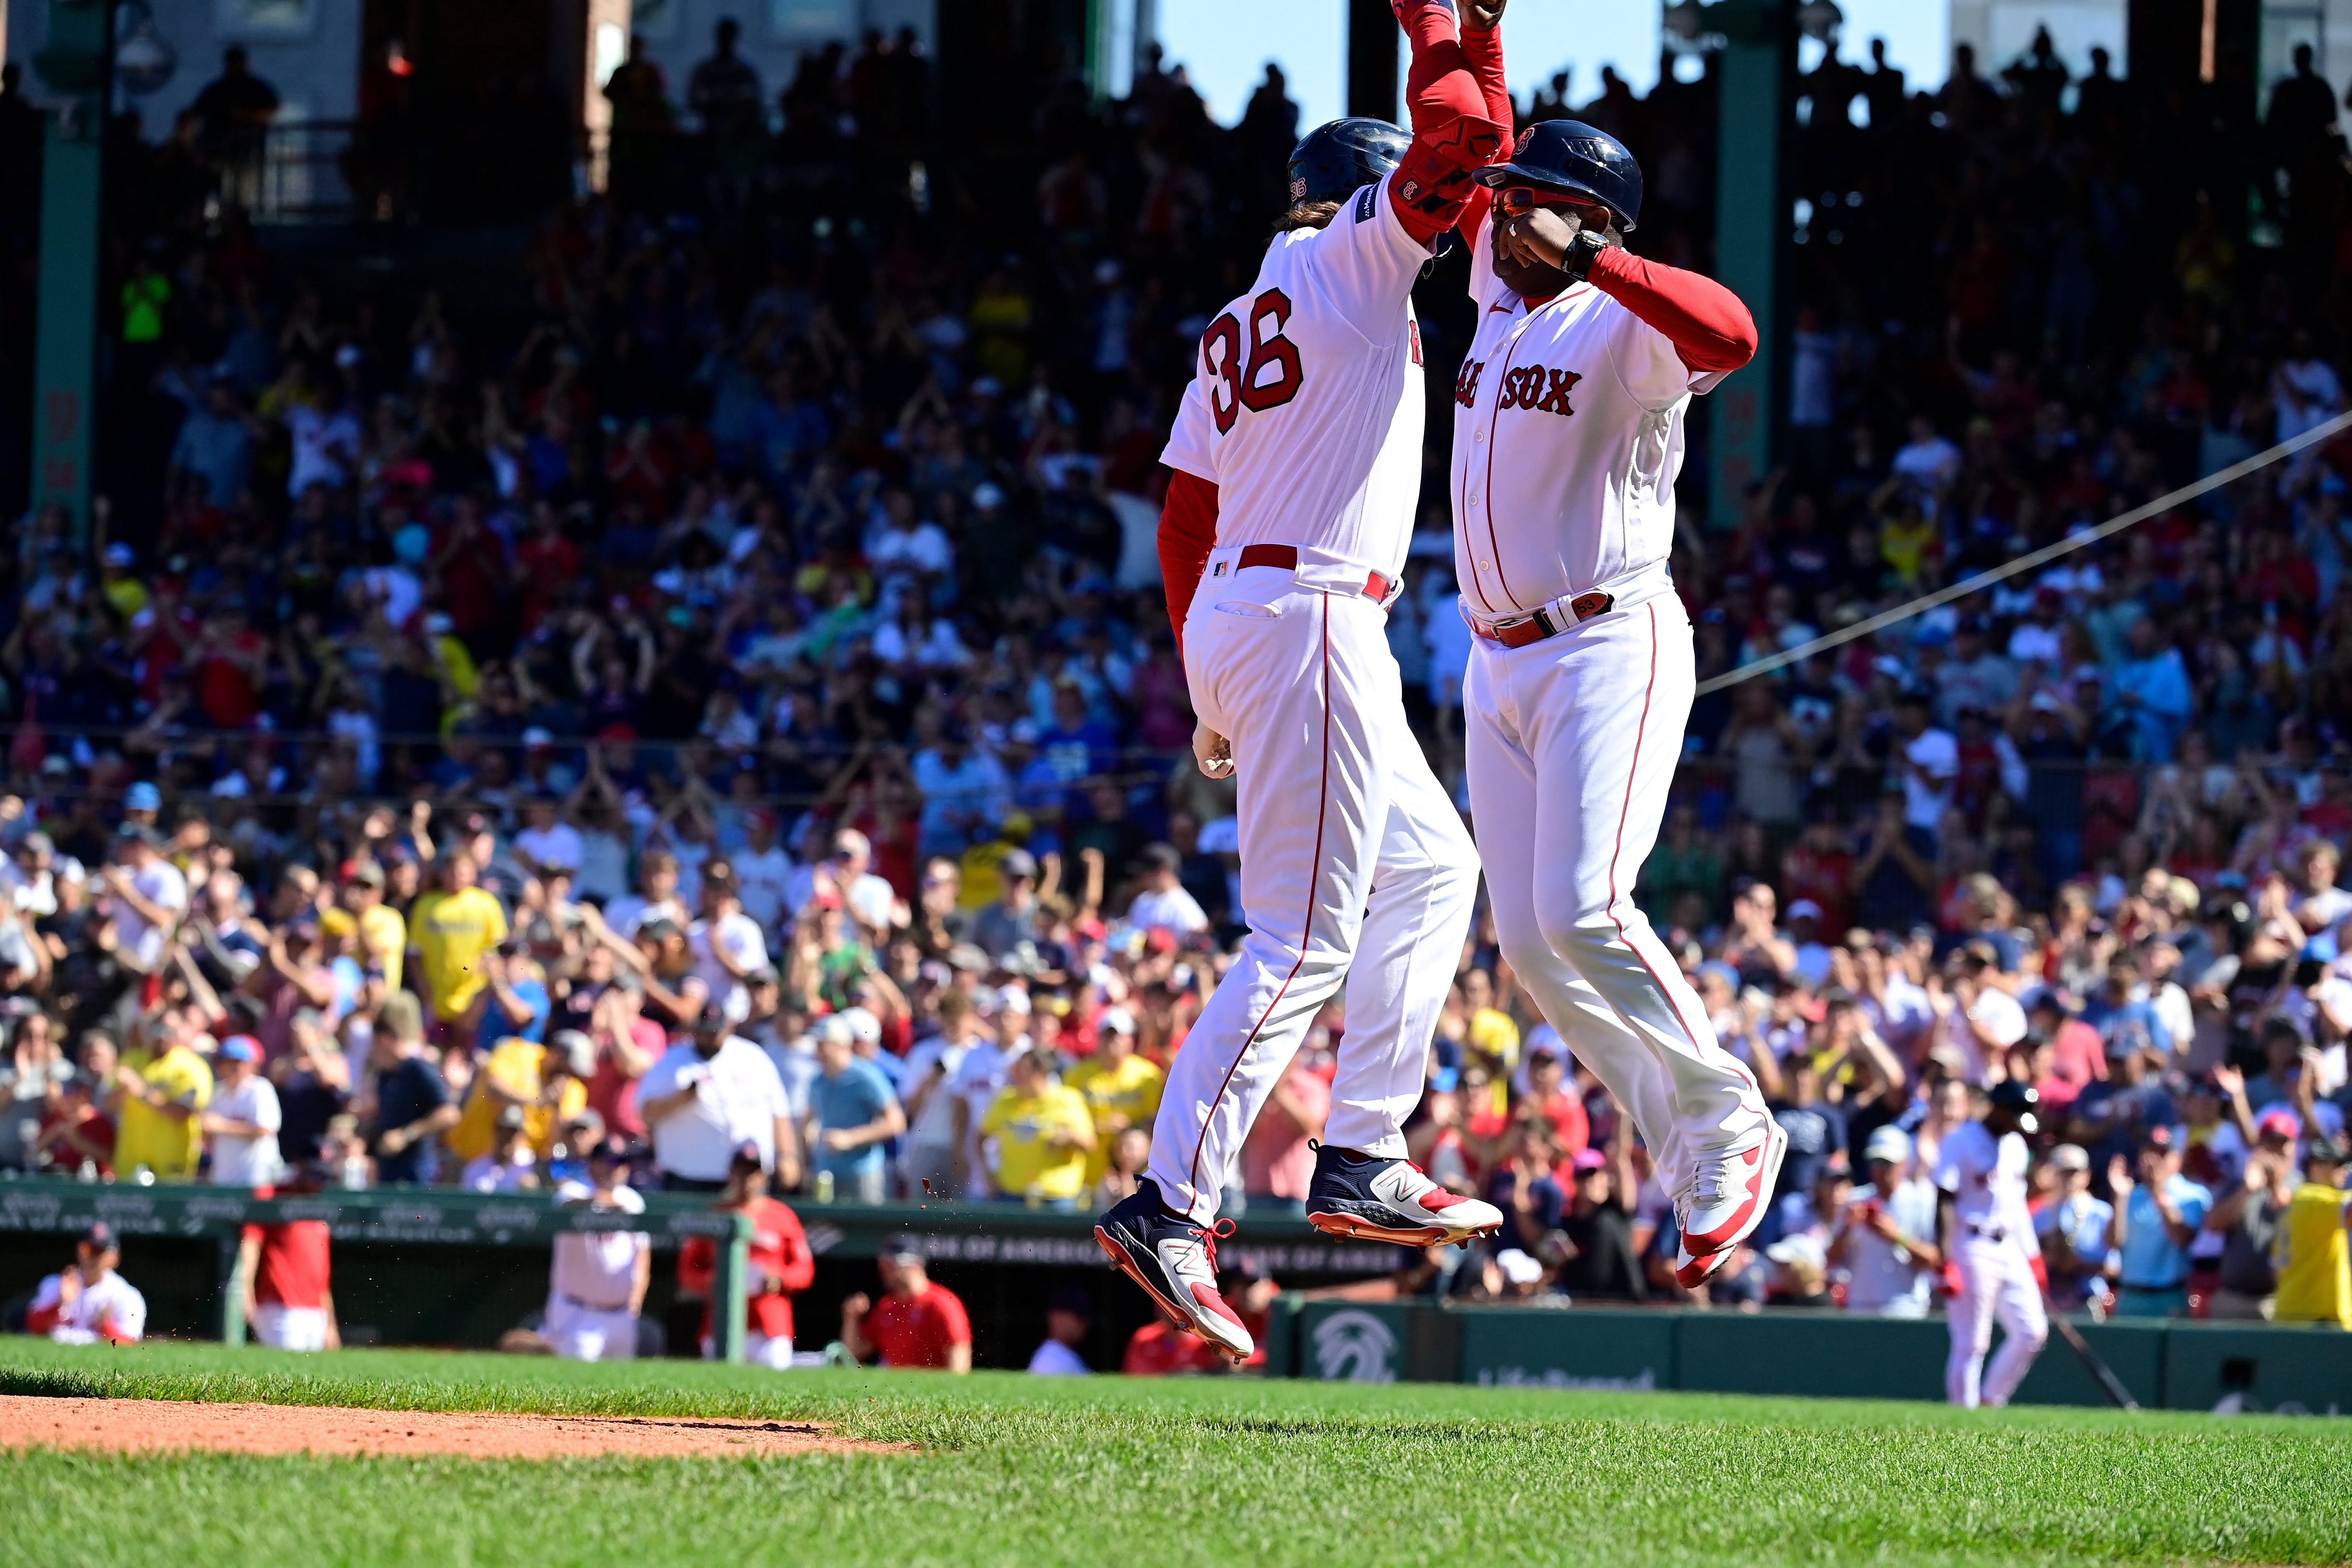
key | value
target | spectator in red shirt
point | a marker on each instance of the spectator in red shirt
(286, 1273)
(1548, 1092)
(231, 662)
(781, 1266)
(75, 1129)
(916, 1324)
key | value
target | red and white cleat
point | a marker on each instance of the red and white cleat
(1730, 1192)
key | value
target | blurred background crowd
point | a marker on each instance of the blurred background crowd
(735, 705)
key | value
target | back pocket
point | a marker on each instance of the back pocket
(1244, 607)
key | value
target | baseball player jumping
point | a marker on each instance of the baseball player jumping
(1568, 435)
(1298, 457)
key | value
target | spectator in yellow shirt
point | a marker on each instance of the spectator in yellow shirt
(165, 1088)
(449, 930)
(1121, 1090)
(1491, 1033)
(549, 1084)
(2313, 1254)
(383, 935)
(1039, 1135)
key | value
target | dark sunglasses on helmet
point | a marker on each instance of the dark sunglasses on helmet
(1514, 200)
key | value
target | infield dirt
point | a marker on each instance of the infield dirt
(148, 1426)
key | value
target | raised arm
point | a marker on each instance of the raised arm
(1456, 132)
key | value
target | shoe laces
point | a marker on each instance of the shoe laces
(1712, 1182)
(1209, 1235)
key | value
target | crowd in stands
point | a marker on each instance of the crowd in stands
(736, 710)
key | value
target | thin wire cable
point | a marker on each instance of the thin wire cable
(2028, 561)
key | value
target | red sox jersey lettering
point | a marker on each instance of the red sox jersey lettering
(1465, 385)
(1533, 386)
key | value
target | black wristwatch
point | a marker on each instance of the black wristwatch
(1582, 251)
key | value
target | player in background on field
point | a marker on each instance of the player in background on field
(781, 1262)
(1989, 1237)
(89, 1301)
(1568, 436)
(1297, 461)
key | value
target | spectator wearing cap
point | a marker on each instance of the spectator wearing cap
(241, 1120)
(451, 930)
(546, 1085)
(1982, 1020)
(2155, 1222)
(928, 1165)
(1603, 1262)
(707, 1097)
(726, 943)
(382, 935)
(2312, 1254)
(405, 1105)
(1012, 919)
(2072, 1228)
(2246, 1218)
(164, 1088)
(146, 896)
(917, 1323)
(781, 1266)
(1162, 900)
(1121, 1089)
(89, 1301)
(1038, 1135)
(854, 1113)
(1069, 1319)
(1885, 1237)
(596, 1281)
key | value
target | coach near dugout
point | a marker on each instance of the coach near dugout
(1567, 434)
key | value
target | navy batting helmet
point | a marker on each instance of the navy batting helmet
(1570, 155)
(1332, 161)
(2021, 1101)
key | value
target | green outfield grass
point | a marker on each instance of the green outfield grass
(1229, 1472)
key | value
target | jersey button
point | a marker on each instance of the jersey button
(1481, 436)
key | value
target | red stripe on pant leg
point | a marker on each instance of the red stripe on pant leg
(1322, 809)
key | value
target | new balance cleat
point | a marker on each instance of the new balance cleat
(1730, 1191)
(1175, 1261)
(1377, 1199)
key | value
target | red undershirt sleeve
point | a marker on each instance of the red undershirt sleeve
(1482, 52)
(1706, 323)
(1188, 532)
(1453, 136)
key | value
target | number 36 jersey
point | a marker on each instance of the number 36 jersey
(1306, 400)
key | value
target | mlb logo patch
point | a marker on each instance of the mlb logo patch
(1218, 570)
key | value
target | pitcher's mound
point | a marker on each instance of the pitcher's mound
(144, 1426)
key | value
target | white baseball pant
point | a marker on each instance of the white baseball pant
(1356, 871)
(1571, 745)
(577, 1333)
(285, 1328)
(1997, 1285)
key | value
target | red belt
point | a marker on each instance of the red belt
(1377, 587)
(1540, 625)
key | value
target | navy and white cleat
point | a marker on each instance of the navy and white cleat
(1377, 1199)
(1175, 1261)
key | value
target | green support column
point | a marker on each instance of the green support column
(1751, 224)
(726, 1298)
(232, 1277)
(76, 63)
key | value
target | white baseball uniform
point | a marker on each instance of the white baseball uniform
(1306, 412)
(1568, 435)
(590, 1282)
(111, 1308)
(1994, 1244)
